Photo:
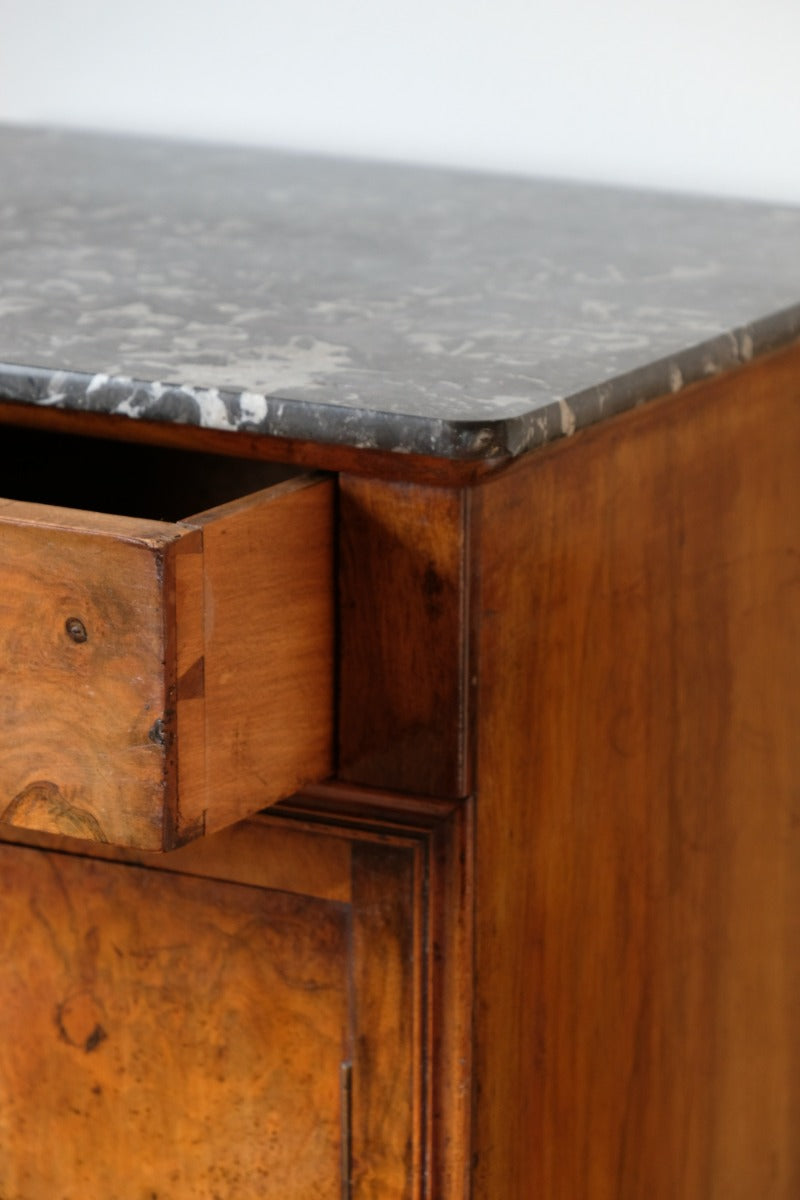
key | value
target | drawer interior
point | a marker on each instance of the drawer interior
(157, 483)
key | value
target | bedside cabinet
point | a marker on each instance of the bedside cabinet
(399, 711)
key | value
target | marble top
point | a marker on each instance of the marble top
(370, 305)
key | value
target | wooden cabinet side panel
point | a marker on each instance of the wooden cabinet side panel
(638, 841)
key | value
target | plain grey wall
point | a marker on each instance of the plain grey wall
(694, 94)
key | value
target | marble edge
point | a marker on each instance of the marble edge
(670, 374)
(362, 428)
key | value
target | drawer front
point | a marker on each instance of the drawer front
(84, 674)
(159, 680)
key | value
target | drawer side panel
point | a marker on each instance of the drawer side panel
(267, 671)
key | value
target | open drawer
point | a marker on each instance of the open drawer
(159, 678)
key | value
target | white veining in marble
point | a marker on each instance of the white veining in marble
(395, 307)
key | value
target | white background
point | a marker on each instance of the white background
(701, 95)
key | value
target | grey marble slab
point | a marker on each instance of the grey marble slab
(401, 308)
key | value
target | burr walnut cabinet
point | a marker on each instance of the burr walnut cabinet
(393, 822)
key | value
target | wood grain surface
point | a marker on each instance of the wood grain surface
(198, 685)
(189, 985)
(165, 1036)
(308, 862)
(387, 995)
(78, 754)
(403, 692)
(412, 955)
(638, 839)
(255, 678)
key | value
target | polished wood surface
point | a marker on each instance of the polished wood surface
(161, 680)
(189, 1021)
(387, 996)
(562, 956)
(638, 843)
(312, 862)
(79, 702)
(260, 696)
(431, 843)
(402, 678)
(134, 1030)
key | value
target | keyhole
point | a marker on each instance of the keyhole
(76, 629)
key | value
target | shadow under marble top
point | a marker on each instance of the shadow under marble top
(402, 308)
